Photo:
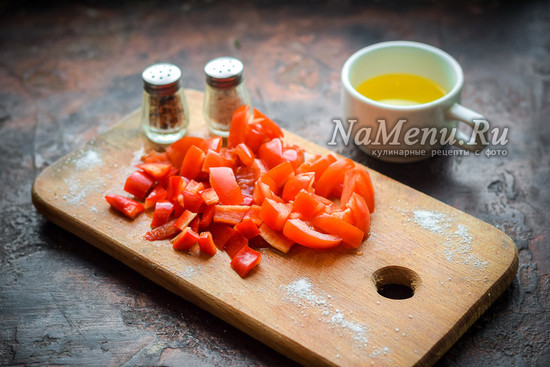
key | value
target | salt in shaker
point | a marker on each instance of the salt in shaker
(224, 93)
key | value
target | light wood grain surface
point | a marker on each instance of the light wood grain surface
(317, 307)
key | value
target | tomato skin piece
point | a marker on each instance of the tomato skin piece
(351, 236)
(245, 260)
(156, 195)
(185, 240)
(163, 210)
(294, 185)
(155, 170)
(332, 176)
(271, 152)
(127, 207)
(176, 151)
(300, 232)
(237, 129)
(275, 239)
(364, 188)
(139, 184)
(274, 214)
(206, 244)
(163, 232)
(214, 143)
(192, 163)
(215, 159)
(307, 204)
(223, 181)
(360, 212)
(280, 173)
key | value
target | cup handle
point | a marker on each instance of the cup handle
(478, 123)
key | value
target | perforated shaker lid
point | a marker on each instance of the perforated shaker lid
(224, 72)
(161, 78)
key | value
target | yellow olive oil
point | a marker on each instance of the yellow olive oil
(401, 89)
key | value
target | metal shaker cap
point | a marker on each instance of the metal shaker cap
(161, 79)
(224, 72)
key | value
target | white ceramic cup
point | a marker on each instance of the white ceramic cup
(413, 126)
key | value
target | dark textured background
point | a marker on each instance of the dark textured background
(69, 71)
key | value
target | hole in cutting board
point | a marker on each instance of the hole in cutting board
(396, 282)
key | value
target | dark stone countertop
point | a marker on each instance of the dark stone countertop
(69, 71)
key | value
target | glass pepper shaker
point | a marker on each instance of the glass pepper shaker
(165, 115)
(224, 93)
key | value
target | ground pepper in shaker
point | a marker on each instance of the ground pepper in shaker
(224, 93)
(165, 115)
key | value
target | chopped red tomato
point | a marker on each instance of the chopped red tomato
(300, 232)
(239, 122)
(155, 170)
(215, 159)
(332, 176)
(274, 214)
(271, 152)
(245, 154)
(192, 163)
(280, 173)
(125, 206)
(350, 235)
(214, 144)
(275, 238)
(360, 212)
(303, 181)
(177, 151)
(307, 204)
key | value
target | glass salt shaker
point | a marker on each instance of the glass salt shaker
(224, 93)
(165, 115)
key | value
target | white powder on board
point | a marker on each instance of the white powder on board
(88, 160)
(458, 244)
(301, 293)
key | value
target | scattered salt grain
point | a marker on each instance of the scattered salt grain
(88, 160)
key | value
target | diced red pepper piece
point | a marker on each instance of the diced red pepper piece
(192, 163)
(271, 152)
(332, 176)
(139, 184)
(245, 260)
(176, 184)
(276, 239)
(164, 182)
(223, 181)
(206, 244)
(125, 206)
(155, 170)
(183, 221)
(163, 232)
(247, 228)
(192, 201)
(177, 151)
(274, 214)
(245, 154)
(194, 186)
(300, 232)
(248, 200)
(230, 214)
(158, 194)
(351, 236)
(185, 240)
(221, 233)
(209, 196)
(235, 244)
(195, 224)
(163, 210)
(254, 215)
(207, 216)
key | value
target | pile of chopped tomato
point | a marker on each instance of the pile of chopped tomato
(255, 192)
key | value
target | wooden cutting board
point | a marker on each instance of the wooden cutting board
(317, 307)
